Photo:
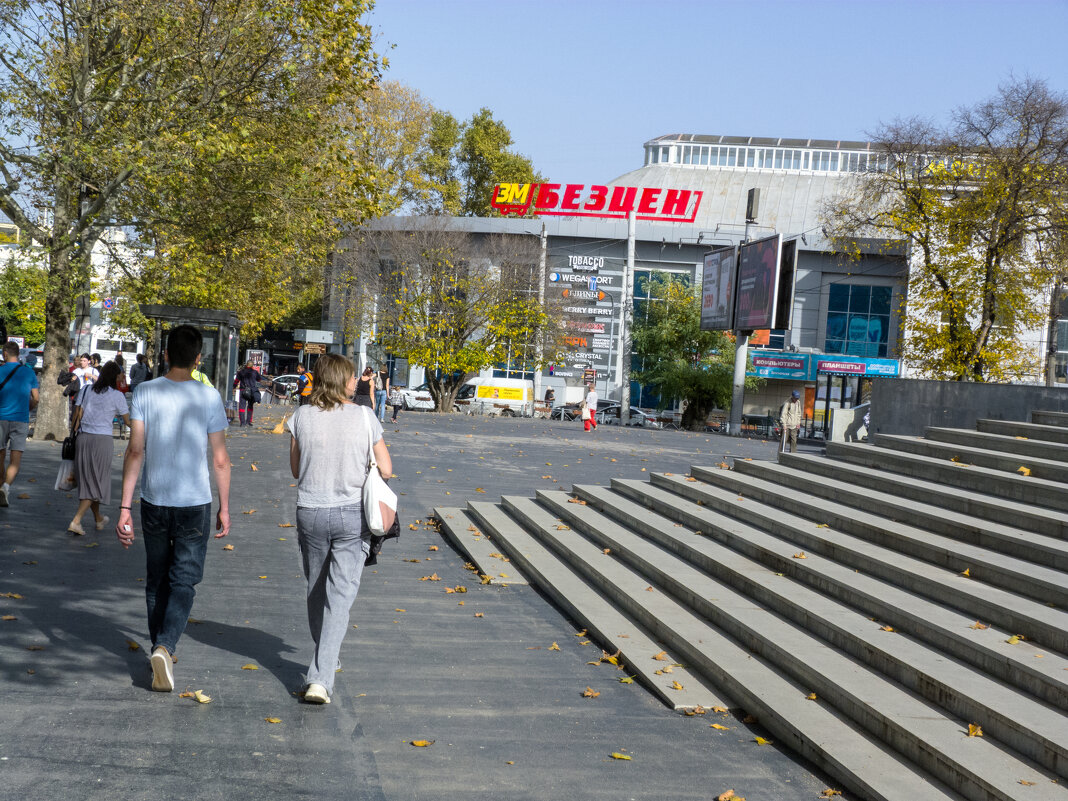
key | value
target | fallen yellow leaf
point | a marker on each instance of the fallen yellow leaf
(1013, 639)
(830, 793)
(720, 727)
(811, 696)
(607, 551)
(479, 614)
(250, 666)
(554, 647)
(661, 657)
(967, 572)
(13, 595)
(400, 610)
(423, 743)
(624, 680)
(590, 693)
(432, 548)
(249, 512)
(254, 468)
(726, 796)
(1026, 783)
(228, 547)
(479, 489)
(563, 528)
(8, 617)
(1026, 471)
(887, 628)
(676, 686)
(975, 730)
(617, 755)
(800, 555)
(761, 741)
(285, 525)
(273, 720)
(202, 697)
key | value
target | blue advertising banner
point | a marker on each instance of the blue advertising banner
(780, 365)
(808, 366)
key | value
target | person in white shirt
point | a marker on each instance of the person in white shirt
(96, 407)
(590, 408)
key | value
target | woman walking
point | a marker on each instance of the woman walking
(96, 408)
(365, 389)
(248, 380)
(329, 457)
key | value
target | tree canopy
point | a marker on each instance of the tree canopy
(680, 359)
(982, 204)
(211, 131)
(444, 300)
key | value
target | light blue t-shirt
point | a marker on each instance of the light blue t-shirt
(178, 416)
(15, 396)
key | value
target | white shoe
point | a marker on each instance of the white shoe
(316, 694)
(162, 670)
(3, 494)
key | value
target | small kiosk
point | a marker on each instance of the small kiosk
(220, 328)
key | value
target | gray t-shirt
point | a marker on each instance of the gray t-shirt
(178, 417)
(334, 453)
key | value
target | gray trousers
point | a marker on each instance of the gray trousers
(789, 437)
(333, 552)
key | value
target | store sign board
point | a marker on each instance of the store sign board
(577, 278)
(781, 365)
(857, 365)
(589, 328)
(613, 203)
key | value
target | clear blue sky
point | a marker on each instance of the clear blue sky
(582, 84)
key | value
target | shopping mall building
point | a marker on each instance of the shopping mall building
(690, 196)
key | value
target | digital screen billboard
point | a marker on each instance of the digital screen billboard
(784, 304)
(717, 290)
(757, 284)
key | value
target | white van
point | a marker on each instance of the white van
(508, 397)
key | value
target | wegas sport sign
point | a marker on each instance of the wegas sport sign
(615, 202)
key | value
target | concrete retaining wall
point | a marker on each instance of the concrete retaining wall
(908, 406)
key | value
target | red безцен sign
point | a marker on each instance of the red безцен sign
(615, 202)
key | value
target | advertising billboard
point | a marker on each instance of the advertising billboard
(757, 284)
(784, 304)
(717, 290)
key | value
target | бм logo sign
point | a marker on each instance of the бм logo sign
(575, 200)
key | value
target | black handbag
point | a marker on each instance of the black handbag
(69, 447)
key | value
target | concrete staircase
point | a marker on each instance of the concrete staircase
(866, 607)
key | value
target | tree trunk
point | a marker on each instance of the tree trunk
(52, 416)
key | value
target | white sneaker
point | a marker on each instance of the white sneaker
(3, 494)
(162, 670)
(316, 694)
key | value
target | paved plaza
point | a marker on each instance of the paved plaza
(474, 672)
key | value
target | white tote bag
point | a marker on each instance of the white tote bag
(379, 501)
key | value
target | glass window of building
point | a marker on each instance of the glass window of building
(750, 157)
(858, 320)
(805, 161)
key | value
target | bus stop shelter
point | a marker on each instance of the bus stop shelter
(220, 328)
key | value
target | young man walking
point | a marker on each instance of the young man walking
(173, 421)
(18, 395)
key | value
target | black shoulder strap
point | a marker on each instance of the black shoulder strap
(9, 376)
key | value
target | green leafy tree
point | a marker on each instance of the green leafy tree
(983, 208)
(679, 359)
(107, 104)
(445, 301)
(23, 280)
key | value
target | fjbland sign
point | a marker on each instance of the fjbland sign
(576, 200)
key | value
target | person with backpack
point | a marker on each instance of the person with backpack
(248, 381)
(18, 396)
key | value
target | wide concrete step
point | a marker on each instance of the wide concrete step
(1033, 619)
(1024, 447)
(1047, 469)
(816, 730)
(1011, 428)
(1037, 581)
(767, 479)
(604, 623)
(1022, 489)
(970, 502)
(705, 505)
(477, 546)
(721, 584)
(1050, 418)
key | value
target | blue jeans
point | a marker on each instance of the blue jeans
(333, 551)
(176, 542)
(380, 404)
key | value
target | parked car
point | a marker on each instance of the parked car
(34, 357)
(284, 386)
(565, 411)
(417, 398)
(609, 415)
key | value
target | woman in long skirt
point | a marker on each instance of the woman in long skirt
(329, 456)
(96, 407)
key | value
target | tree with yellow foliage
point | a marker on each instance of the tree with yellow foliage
(982, 206)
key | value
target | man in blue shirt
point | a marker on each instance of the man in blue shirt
(18, 395)
(173, 421)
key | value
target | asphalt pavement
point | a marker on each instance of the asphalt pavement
(473, 673)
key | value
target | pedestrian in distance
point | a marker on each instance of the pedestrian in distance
(139, 372)
(18, 396)
(364, 395)
(589, 409)
(329, 456)
(96, 408)
(247, 381)
(174, 420)
(396, 401)
(790, 419)
(123, 386)
(381, 392)
(305, 384)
